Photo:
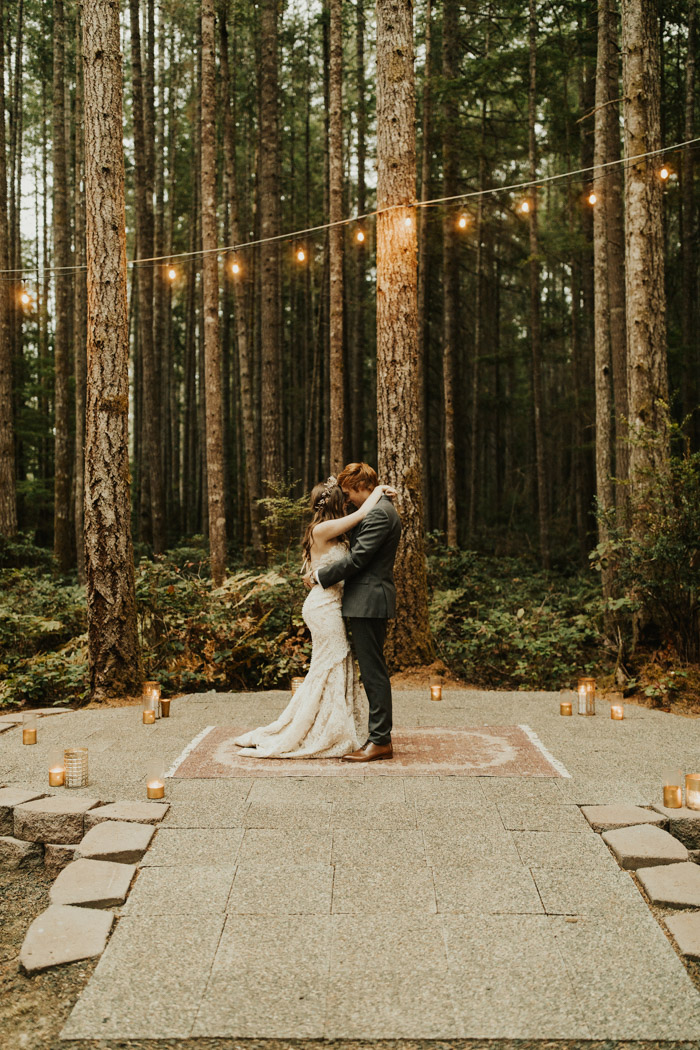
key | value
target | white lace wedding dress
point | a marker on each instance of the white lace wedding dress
(327, 716)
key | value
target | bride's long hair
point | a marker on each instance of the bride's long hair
(327, 501)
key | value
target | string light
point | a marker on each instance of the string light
(25, 298)
(664, 173)
(235, 267)
(462, 222)
(592, 199)
(360, 236)
(172, 273)
(407, 220)
(301, 255)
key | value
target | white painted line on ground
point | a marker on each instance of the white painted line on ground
(188, 750)
(559, 766)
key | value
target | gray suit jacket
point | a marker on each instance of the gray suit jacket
(368, 567)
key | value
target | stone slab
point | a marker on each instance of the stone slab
(686, 931)
(138, 812)
(52, 819)
(608, 818)
(93, 884)
(116, 840)
(684, 824)
(17, 853)
(63, 934)
(185, 847)
(180, 892)
(9, 798)
(643, 846)
(672, 885)
(57, 856)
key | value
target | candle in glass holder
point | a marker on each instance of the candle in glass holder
(586, 696)
(566, 707)
(57, 768)
(151, 692)
(76, 761)
(155, 781)
(673, 789)
(296, 682)
(692, 790)
(28, 728)
(436, 689)
(617, 712)
(165, 708)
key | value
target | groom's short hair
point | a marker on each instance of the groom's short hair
(358, 476)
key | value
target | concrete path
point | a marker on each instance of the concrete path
(385, 906)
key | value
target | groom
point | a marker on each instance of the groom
(369, 600)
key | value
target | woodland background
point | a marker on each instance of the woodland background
(547, 556)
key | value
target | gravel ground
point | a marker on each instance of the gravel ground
(33, 1009)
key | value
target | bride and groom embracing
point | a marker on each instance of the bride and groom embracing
(348, 565)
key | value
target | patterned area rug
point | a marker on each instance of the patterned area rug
(484, 751)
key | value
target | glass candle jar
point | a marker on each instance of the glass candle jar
(673, 789)
(57, 768)
(586, 696)
(29, 727)
(155, 779)
(436, 688)
(151, 697)
(76, 765)
(296, 682)
(692, 790)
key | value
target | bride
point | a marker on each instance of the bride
(327, 716)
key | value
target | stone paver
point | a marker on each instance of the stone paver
(608, 818)
(9, 798)
(116, 840)
(93, 884)
(53, 819)
(672, 885)
(643, 846)
(684, 824)
(17, 853)
(503, 914)
(139, 812)
(63, 934)
(57, 856)
(686, 930)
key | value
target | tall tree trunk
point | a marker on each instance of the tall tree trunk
(8, 493)
(398, 397)
(450, 255)
(268, 204)
(423, 343)
(358, 337)
(210, 274)
(115, 660)
(603, 337)
(241, 295)
(144, 275)
(535, 324)
(644, 249)
(691, 378)
(63, 541)
(336, 238)
(79, 308)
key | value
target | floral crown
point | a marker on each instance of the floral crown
(330, 484)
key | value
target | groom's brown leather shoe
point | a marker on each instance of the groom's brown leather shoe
(370, 753)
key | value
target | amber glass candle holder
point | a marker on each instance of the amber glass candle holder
(673, 789)
(586, 696)
(57, 768)
(29, 727)
(692, 790)
(76, 765)
(155, 780)
(296, 682)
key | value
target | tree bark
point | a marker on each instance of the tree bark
(535, 322)
(241, 295)
(268, 204)
(398, 397)
(8, 492)
(336, 238)
(450, 256)
(358, 314)
(210, 274)
(423, 342)
(644, 250)
(688, 234)
(63, 540)
(79, 308)
(144, 275)
(115, 661)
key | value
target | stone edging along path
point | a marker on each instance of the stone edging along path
(665, 862)
(92, 848)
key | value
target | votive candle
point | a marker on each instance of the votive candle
(57, 768)
(617, 712)
(29, 728)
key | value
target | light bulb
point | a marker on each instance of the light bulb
(592, 198)
(235, 267)
(301, 255)
(359, 236)
(664, 173)
(25, 298)
(408, 220)
(525, 207)
(172, 273)
(462, 222)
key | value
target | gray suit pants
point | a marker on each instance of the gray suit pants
(368, 635)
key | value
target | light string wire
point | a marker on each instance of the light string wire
(233, 249)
